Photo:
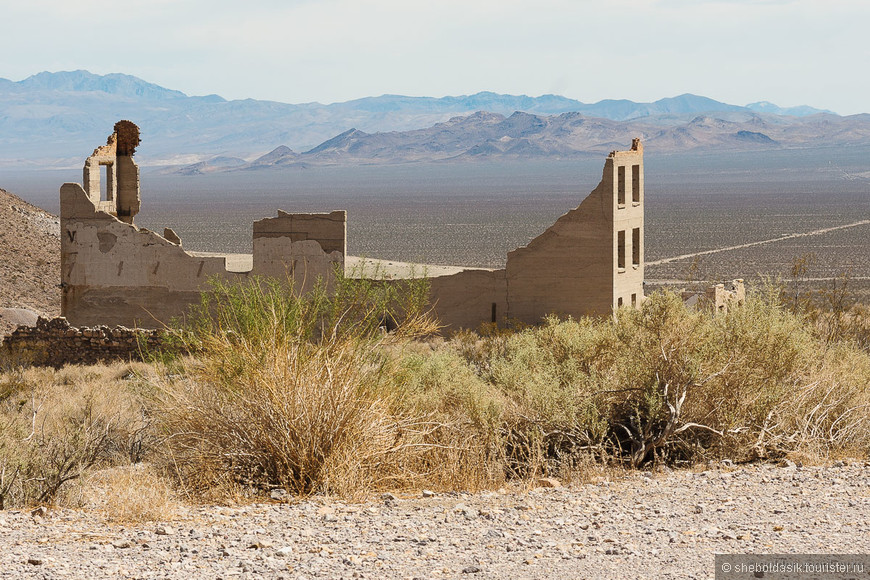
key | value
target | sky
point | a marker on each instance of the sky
(789, 52)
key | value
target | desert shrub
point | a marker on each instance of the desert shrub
(674, 384)
(465, 450)
(292, 390)
(441, 383)
(55, 426)
(832, 310)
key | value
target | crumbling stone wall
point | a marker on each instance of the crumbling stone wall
(725, 297)
(53, 342)
(115, 273)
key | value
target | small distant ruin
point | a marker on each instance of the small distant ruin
(589, 262)
(719, 298)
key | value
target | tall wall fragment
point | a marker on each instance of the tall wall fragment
(587, 263)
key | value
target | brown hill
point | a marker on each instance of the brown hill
(29, 258)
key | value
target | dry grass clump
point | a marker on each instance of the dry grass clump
(129, 493)
(293, 391)
(55, 426)
(300, 416)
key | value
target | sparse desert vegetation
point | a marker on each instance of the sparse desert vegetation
(311, 395)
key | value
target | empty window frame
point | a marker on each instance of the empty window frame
(635, 183)
(619, 302)
(620, 250)
(635, 247)
(634, 300)
(620, 186)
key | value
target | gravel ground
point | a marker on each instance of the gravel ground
(663, 525)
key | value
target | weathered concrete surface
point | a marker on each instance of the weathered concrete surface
(114, 273)
(117, 274)
(470, 298)
(587, 263)
(329, 230)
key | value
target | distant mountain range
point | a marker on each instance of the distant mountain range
(55, 119)
(485, 135)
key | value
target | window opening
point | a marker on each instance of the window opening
(620, 188)
(105, 192)
(493, 312)
(635, 183)
(635, 247)
(620, 250)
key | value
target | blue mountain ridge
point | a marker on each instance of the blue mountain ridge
(53, 118)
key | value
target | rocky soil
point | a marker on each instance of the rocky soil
(29, 258)
(663, 525)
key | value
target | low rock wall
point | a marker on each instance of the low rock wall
(53, 342)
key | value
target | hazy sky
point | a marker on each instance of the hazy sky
(790, 52)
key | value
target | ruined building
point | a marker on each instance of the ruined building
(114, 273)
(587, 263)
(719, 298)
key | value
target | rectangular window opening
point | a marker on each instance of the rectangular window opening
(619, 302)
(104, 183)
(493, 312)
(635, 183)
(635, 247)
(634, 300)
(620, 189)
(107, 182)
(620, 250)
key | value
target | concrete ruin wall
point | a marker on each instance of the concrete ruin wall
(719, 298)
(587, 263)
(121, 194)
(725, 297)
(115, 273)
(53, 342)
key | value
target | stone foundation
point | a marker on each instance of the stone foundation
(53, 342)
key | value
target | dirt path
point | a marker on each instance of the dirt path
(758, 243)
